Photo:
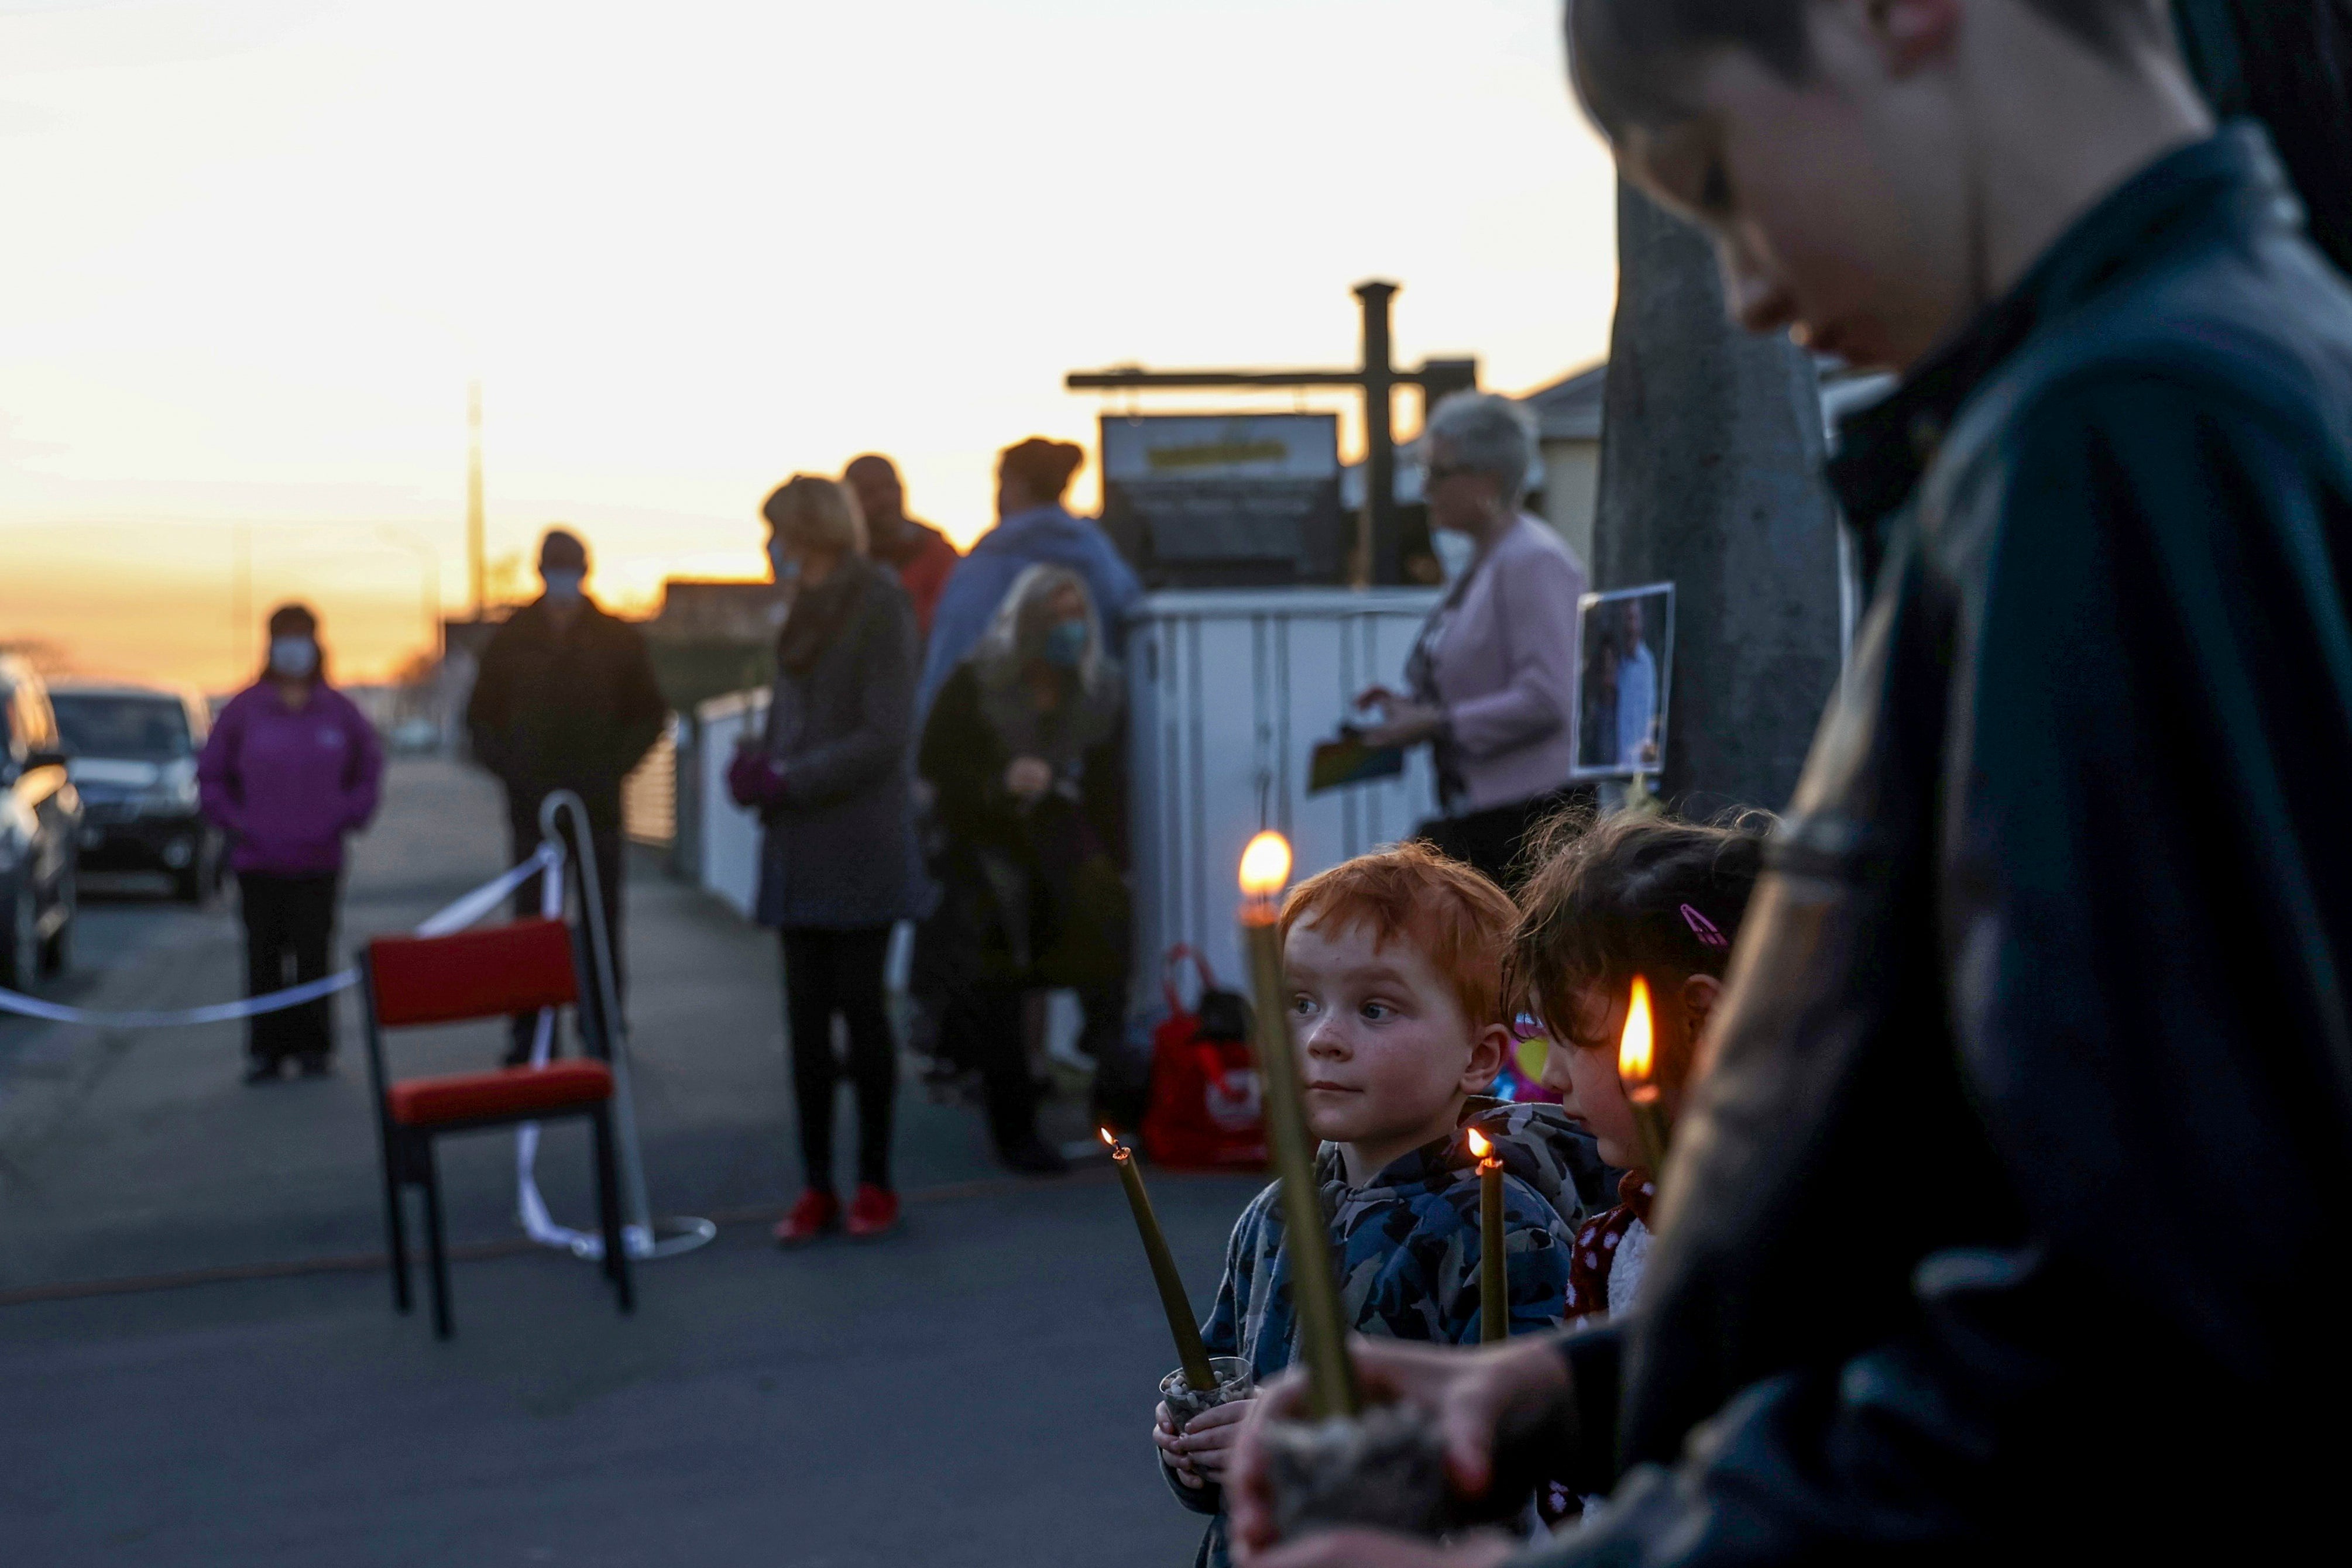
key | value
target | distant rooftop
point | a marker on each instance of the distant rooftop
(726, 611)
(1569, 408)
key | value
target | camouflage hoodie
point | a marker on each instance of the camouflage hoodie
(1407, 1246)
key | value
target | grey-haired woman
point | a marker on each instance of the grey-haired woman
(1491, 682)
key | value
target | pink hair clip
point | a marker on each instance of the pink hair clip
(1703, 928)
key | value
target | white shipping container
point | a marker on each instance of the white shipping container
(1229, 693)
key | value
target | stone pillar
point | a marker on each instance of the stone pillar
(1711, 479)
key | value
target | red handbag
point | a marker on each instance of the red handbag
(1204, 1112)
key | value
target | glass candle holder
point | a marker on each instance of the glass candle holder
(1234, 1381)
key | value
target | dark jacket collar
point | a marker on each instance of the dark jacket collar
(819, 613)
(536, 620)
(2232, 178)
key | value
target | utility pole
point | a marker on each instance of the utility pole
(1378, 546)
(477, 557)
(1378, 536)
(240, 599)
(1711, 479)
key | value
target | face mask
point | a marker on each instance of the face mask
(563, 582)
(294, 657)
(785, 565)
(1066, 644)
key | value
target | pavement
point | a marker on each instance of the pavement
(199, 1361)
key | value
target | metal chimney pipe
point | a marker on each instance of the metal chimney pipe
(1377, 542)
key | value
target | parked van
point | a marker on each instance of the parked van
(133, 751)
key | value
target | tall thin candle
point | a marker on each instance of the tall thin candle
(1636, 1069)
(1494, 1276)
(1190, 1354)
(1315, 1285)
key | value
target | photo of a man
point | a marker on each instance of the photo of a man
(1626, 636)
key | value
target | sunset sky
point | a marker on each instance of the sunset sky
(256, 248)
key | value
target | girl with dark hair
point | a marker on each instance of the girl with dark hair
(290, 767)
(1632, 895)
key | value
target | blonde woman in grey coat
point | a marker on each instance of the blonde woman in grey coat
(830, 779)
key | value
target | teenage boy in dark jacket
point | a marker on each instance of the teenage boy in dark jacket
(1999, 1217)
(565, 699)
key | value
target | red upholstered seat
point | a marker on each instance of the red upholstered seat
(515, 1091)
(513, 968)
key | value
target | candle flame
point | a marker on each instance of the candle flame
(1106, 1136)
(1634, 1048)
(1266, 864)
(1478, 1146)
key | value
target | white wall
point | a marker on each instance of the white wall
(1571, 493)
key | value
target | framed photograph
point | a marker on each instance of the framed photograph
(1626, 642)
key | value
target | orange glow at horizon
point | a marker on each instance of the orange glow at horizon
(1634, 1047)
(264, 280)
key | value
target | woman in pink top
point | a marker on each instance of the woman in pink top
(291, 767)
(1492, 678)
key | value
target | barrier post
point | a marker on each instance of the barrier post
(647, 1238)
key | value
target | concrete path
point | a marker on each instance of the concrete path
(973, 1390)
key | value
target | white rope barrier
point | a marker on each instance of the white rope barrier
(639, 1234)
(455, 917)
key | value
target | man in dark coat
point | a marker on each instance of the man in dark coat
(2000, 1217)
(565, 700)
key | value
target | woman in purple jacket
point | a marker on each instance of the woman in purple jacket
(291, 767)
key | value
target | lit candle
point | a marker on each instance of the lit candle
(1315, 1286)
(1190, 1351)
(1636, 1069)
(1494, 1279)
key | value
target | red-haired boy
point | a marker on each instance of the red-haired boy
(1394, 967)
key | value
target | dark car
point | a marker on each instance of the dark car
(134, 752)
(40, 818)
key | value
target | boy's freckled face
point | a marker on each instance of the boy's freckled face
(1383, 1040)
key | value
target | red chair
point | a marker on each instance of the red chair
(415, 980)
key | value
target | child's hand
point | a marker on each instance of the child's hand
(1208, 1441)
(1171, 1448)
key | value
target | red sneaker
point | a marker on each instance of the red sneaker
(812, 1217)
(873, 1212)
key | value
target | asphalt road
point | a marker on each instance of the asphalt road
(197, 1366)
